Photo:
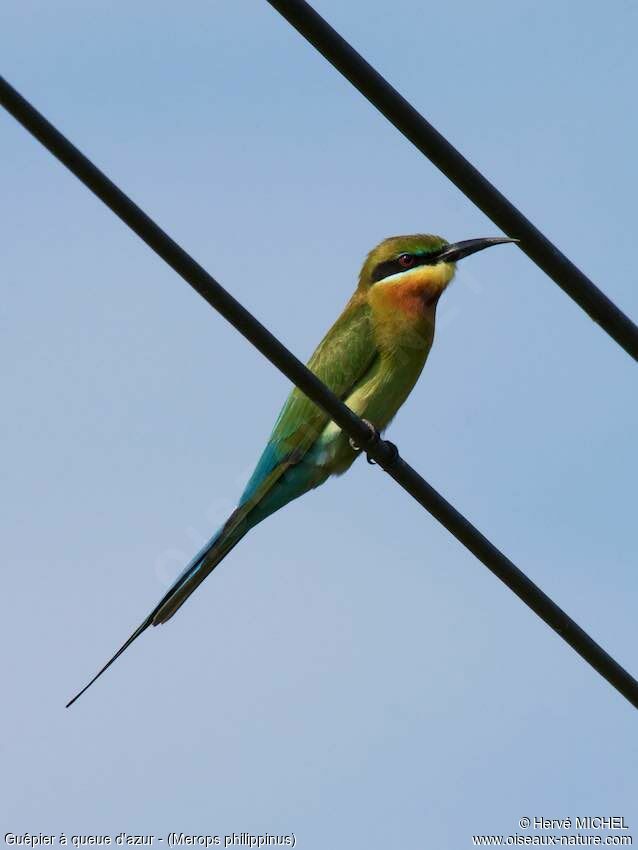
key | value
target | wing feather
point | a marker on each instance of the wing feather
(340, 361)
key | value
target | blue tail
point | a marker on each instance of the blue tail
(267, 491)
(189, 580)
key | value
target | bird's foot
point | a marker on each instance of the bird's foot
(375, 437)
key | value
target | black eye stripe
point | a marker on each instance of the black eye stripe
(390, 267)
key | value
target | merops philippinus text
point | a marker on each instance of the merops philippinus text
(371, 358)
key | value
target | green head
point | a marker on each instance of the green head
(421, 262)
(402, 280)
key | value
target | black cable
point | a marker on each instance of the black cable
(462, 173)
(381, 451)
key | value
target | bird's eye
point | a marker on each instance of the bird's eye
(406, 260)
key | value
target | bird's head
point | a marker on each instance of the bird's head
(409, 273)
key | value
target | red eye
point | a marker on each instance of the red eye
(406, 260)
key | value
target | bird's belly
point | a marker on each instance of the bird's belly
(376, 399)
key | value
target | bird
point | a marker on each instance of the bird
(370, 358)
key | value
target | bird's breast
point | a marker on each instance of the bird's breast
(403, 317)
(404, 305)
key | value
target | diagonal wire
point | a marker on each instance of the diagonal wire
(381, 451)
(462, 173)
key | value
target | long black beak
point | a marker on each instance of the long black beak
(452, 253)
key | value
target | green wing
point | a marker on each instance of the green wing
(341, 359)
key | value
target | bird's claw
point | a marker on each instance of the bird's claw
(375, 437)
(394, 453)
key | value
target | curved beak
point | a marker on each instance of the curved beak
(459, 250)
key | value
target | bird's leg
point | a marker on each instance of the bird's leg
(375, 436)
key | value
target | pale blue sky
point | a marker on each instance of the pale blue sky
(350, 673)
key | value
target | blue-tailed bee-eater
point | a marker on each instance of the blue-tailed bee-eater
(371, 358)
